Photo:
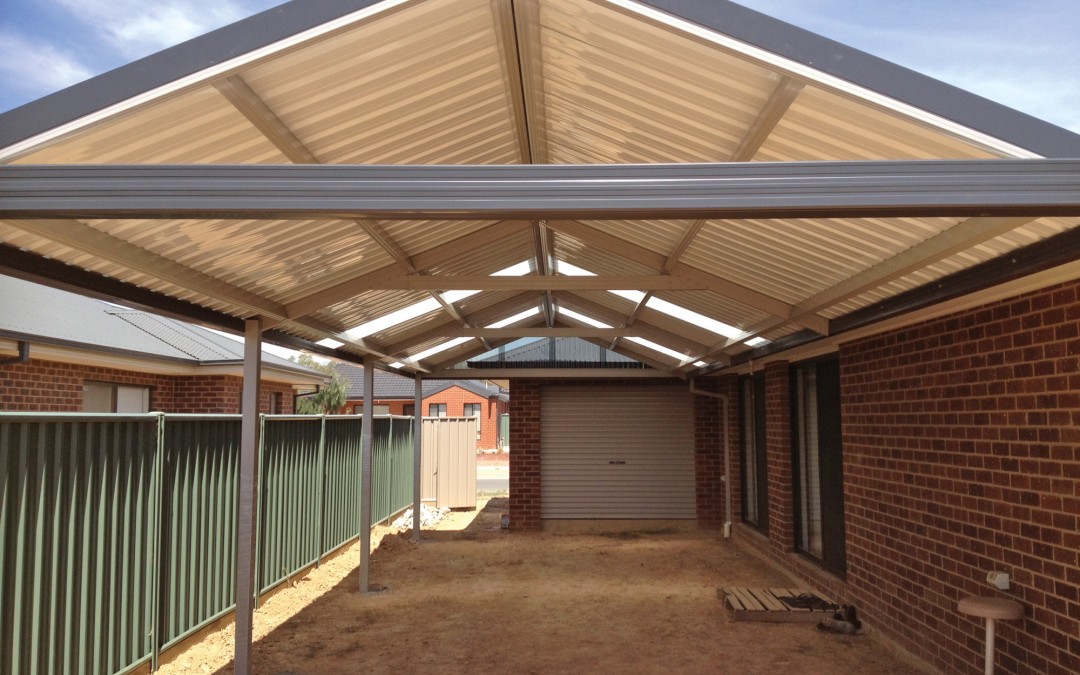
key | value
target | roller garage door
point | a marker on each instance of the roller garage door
(613, 452)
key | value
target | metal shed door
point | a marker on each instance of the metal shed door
(610, 452)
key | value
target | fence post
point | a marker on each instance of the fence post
(158, 562)
(322, 491)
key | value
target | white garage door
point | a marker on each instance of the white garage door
(610, 452)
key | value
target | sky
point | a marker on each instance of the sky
(1016, 52)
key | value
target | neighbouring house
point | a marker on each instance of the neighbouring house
(396, 395)
(61, 352)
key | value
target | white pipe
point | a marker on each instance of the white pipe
(727, 452)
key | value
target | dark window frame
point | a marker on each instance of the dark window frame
(757, 385)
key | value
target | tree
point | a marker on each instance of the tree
(330, 398)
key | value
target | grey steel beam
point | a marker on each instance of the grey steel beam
(248, 496)
(1034, 187)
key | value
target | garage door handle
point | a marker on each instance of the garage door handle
(616, 461)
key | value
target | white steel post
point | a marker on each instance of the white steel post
(365, 472)
(418, 424)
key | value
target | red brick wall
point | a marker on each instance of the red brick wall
(51, 386)
(961, 455)
(709, 452)
(525, 454)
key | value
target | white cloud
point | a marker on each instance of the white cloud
(136, 28)
(52, 67)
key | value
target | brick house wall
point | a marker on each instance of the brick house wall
(53, 386)
(455, 399)
(709, 452)
(525, 454)
(961, 450)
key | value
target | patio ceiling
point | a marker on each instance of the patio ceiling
(750, 245)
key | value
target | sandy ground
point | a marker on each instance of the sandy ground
(472, 598)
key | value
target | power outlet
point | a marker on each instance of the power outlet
(999, 580)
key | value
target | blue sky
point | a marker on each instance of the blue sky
(1018, 52)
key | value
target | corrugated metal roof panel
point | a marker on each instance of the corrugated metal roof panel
(821, 125)
(198, 127)
(620, 90)
(424, 85)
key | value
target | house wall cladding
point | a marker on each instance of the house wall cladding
(52, 386)
(961, 446)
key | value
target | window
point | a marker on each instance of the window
(755, 505)
(103, 397)
(275, 403)
(436, 410)
(409, 410)
(380, 409)
(473, 410)
(818, 463)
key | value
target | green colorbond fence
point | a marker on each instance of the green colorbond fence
(118, 532)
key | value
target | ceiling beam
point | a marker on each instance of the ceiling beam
(959, 237)
(251, 106)
(85, 239)
(349, 289)
(787, 90)
(703, 280)
(544, 332)
(533, 282)
(511, 373)
(970, 188)
(544, 247)
(487, 315)
(642, 329)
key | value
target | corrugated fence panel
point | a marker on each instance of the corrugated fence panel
(78, 507)
(391, 467)
(200, 492)
(119, 531)
(341, 486)
(291, 480)
(448, 461)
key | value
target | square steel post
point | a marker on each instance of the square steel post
(418, 423)
(249, 491)
(365, 472)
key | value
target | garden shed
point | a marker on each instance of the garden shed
(877, 273)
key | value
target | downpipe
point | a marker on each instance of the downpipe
(727, 452)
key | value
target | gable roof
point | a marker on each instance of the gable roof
(389, 386)
(42, 315)
(688, 92)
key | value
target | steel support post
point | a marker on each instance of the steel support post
(365, 472)
(249, 491)
(418, 424)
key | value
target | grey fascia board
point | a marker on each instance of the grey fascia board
(875, 74)
(89, 347)
(1030, 187)
(170, 65)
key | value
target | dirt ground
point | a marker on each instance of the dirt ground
(473, 598)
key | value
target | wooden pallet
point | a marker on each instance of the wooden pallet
(761, 604)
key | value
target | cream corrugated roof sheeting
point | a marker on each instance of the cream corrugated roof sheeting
(513, 81)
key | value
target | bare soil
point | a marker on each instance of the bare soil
(473, 598)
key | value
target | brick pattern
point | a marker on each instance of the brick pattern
(962, 455)
(455, 399)
(51, 386)
(525, 455)
(709, 452)
(778, 456)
